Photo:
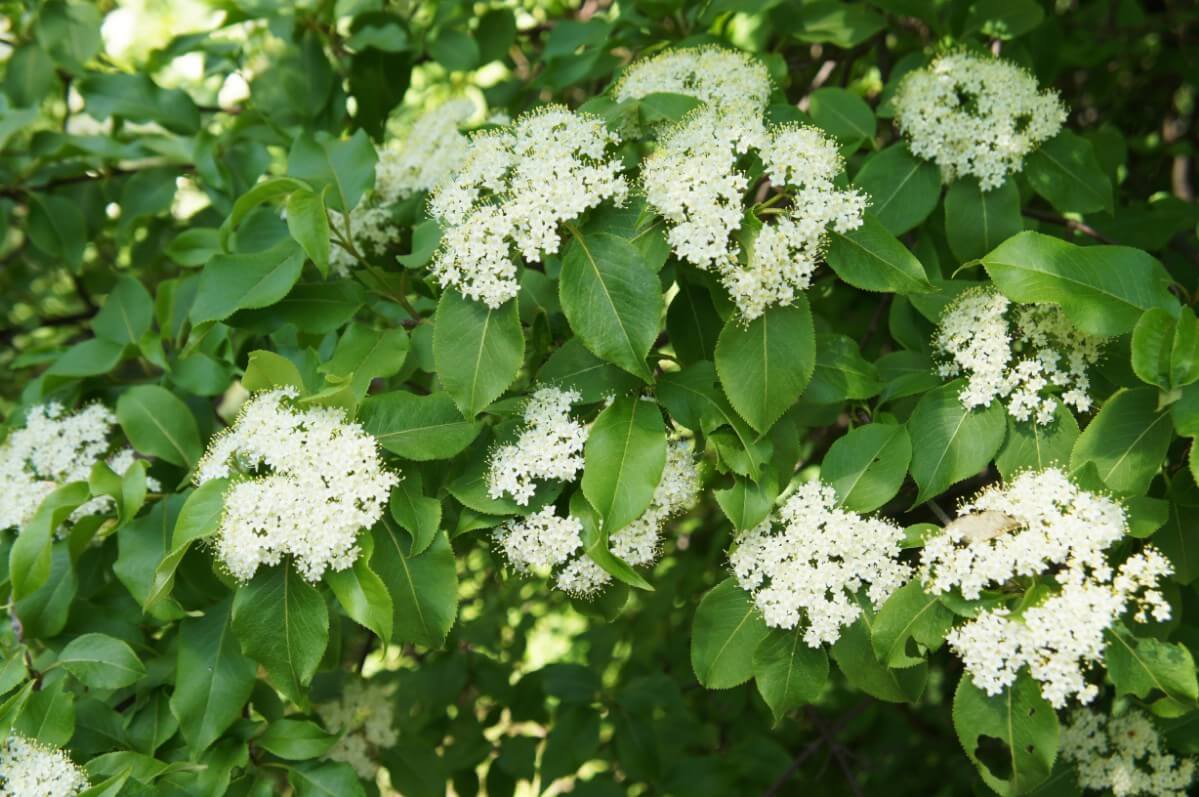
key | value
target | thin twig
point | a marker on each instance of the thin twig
(1070, 224)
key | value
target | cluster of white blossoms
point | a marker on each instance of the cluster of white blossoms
(724, 79)
(539, 542)
(365, 718)
(1041, 526)
(52, 449)
(974, 115)
(639, 543)
(433, 150)
(693, 180)
(549, 446)
(371, 229)
(29, 769)
(808, 563)
(1029, 355)
(514, 189)
(1123, 755)
(304, 483)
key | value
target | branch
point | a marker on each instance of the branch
(1070, 224)
(17, 191)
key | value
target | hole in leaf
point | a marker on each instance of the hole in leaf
(994, 754)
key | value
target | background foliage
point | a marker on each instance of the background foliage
(145, 264)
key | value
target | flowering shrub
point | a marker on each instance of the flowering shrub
(640, 398)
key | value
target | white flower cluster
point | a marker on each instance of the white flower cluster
(638, 543)
(514, 189)
(52, 449)
(977, 116)
(539, 542)
(724, 79)
(1041, 525)
(28, 769)
(304, 483)
(365, 718)
(812, 568)
(693, 180)
(1123, 755)
(430, 153)
(371, 229)
(550, 446)
(1030, 355)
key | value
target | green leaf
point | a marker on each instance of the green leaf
(48, 715)
(234, 282)
(903, 189)
(693, 323)
(765, 365)
(841, 374)
(1033, 446)
(1065, 171)
(844, 25)
(325, 780)
(418, 427)
(1103, 289)
(1020, 720)
(611, 299)
(424, 588)
(842, 113)
(159, 424)
(308, 223)
(57, 227)
(139, 99)
(726, 631)
(364, 354)
(1003, 19)
(478, 350)
(854, 654)
(213, 680)
(573, 739)
(909, 616)
(101, 662)
(747, 503)
(28, 78)
(267, 190)
(266, 370)
(44, 611)
(976, 221)
(126, 314)
(873, 259)
(282, 623)
(788, 673)
(29, 560)
(89, 358)
(572, 367)
(456, 50)
(296, 740)
(363, 594)
(623, 460)
(339, 170)
(950, 442)
(1127, 440)
(868, 465)
(1165, 350)
(1145, 666)
(199, 519)
(417, 513)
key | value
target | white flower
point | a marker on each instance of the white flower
(693, 180)
(550, 446)
(537, 543)
(811, 569)
(370, 228)
(29, 769)
(1041, 526)
(975, 115)
(52, 449)
(1123, 755)
(365, 718)
(304, 483)
(638, 543)
(725, 79)
(513, 191)
(430, 153)
(1030, 355)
